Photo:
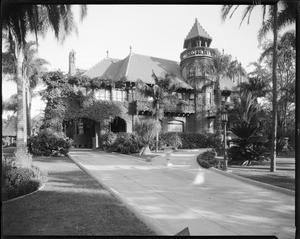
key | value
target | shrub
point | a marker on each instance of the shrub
(249, 146)
(125, 143)
(207, 159)
(18, 181)
(198, 140)
(106, 140)
(48, 142)
(172, 139)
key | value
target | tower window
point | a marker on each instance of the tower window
(198, 71)
(192, 97)
(208, 98)
(192, 71)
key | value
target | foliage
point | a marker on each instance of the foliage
(250, 144)
(11, 104)
(207, 159)
(198, 140)
(106, 140)
(19, 176)
(65, 102)
(171, 139)
(146, 130)
(48, 142)
(125, 143)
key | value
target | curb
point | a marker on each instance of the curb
(255, 183)
(23, 196)
(138, 213)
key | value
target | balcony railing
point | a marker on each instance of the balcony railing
(180, 108)
(196, 51)
(211, 111)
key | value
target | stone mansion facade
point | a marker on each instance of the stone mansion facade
(197, 114)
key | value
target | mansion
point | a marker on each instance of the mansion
(196, 110)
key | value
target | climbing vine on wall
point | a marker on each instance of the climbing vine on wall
(65, 102)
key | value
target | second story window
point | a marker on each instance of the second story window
(198, 71)
(102, 94)
(191, 71)
(119, 95)
(192, 97)
(179, 96)
(208, 98)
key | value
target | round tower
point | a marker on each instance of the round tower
(196, 63)
(72, 66)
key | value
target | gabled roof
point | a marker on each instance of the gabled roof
(10, 129)
(135, 67)
(197, 31)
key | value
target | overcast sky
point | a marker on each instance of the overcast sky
(153, 30)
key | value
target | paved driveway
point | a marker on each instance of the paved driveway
(172, 198)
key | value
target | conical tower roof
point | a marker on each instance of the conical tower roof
(197, 31)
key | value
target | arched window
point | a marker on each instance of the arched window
(191, 71)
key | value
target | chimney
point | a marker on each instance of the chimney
(72, 67)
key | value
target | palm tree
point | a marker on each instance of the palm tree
(285, 72)
(161, 91)
(272, 20)
(221, 69)
(20, 19)
(32, 69)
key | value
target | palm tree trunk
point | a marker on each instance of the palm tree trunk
(157, 120)
(218, 101)
(21, 110)
(274, 102)
(29, 106)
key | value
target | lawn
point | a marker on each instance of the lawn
(71, 203)
(282, 178)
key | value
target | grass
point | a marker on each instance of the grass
(281, 178)
(71, 203)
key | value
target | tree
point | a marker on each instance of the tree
(272, 21)
(11, 104)
(161, 92)
(286, 79)
(32, 69)
(221, 69)
(146, 130)
(20, 19)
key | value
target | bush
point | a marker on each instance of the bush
(48, 142)
(18, 181)
(197, 140)
(171, 139)
(125, 143)
(251, 153)
(106, 140)
(207, 159)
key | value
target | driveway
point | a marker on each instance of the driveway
(171, 198)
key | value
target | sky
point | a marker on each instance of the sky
(153, 30)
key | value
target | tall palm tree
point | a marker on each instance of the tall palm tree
(272, 20)
(18, 21)
(161, 91)
(221, 69)
(32, 69)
